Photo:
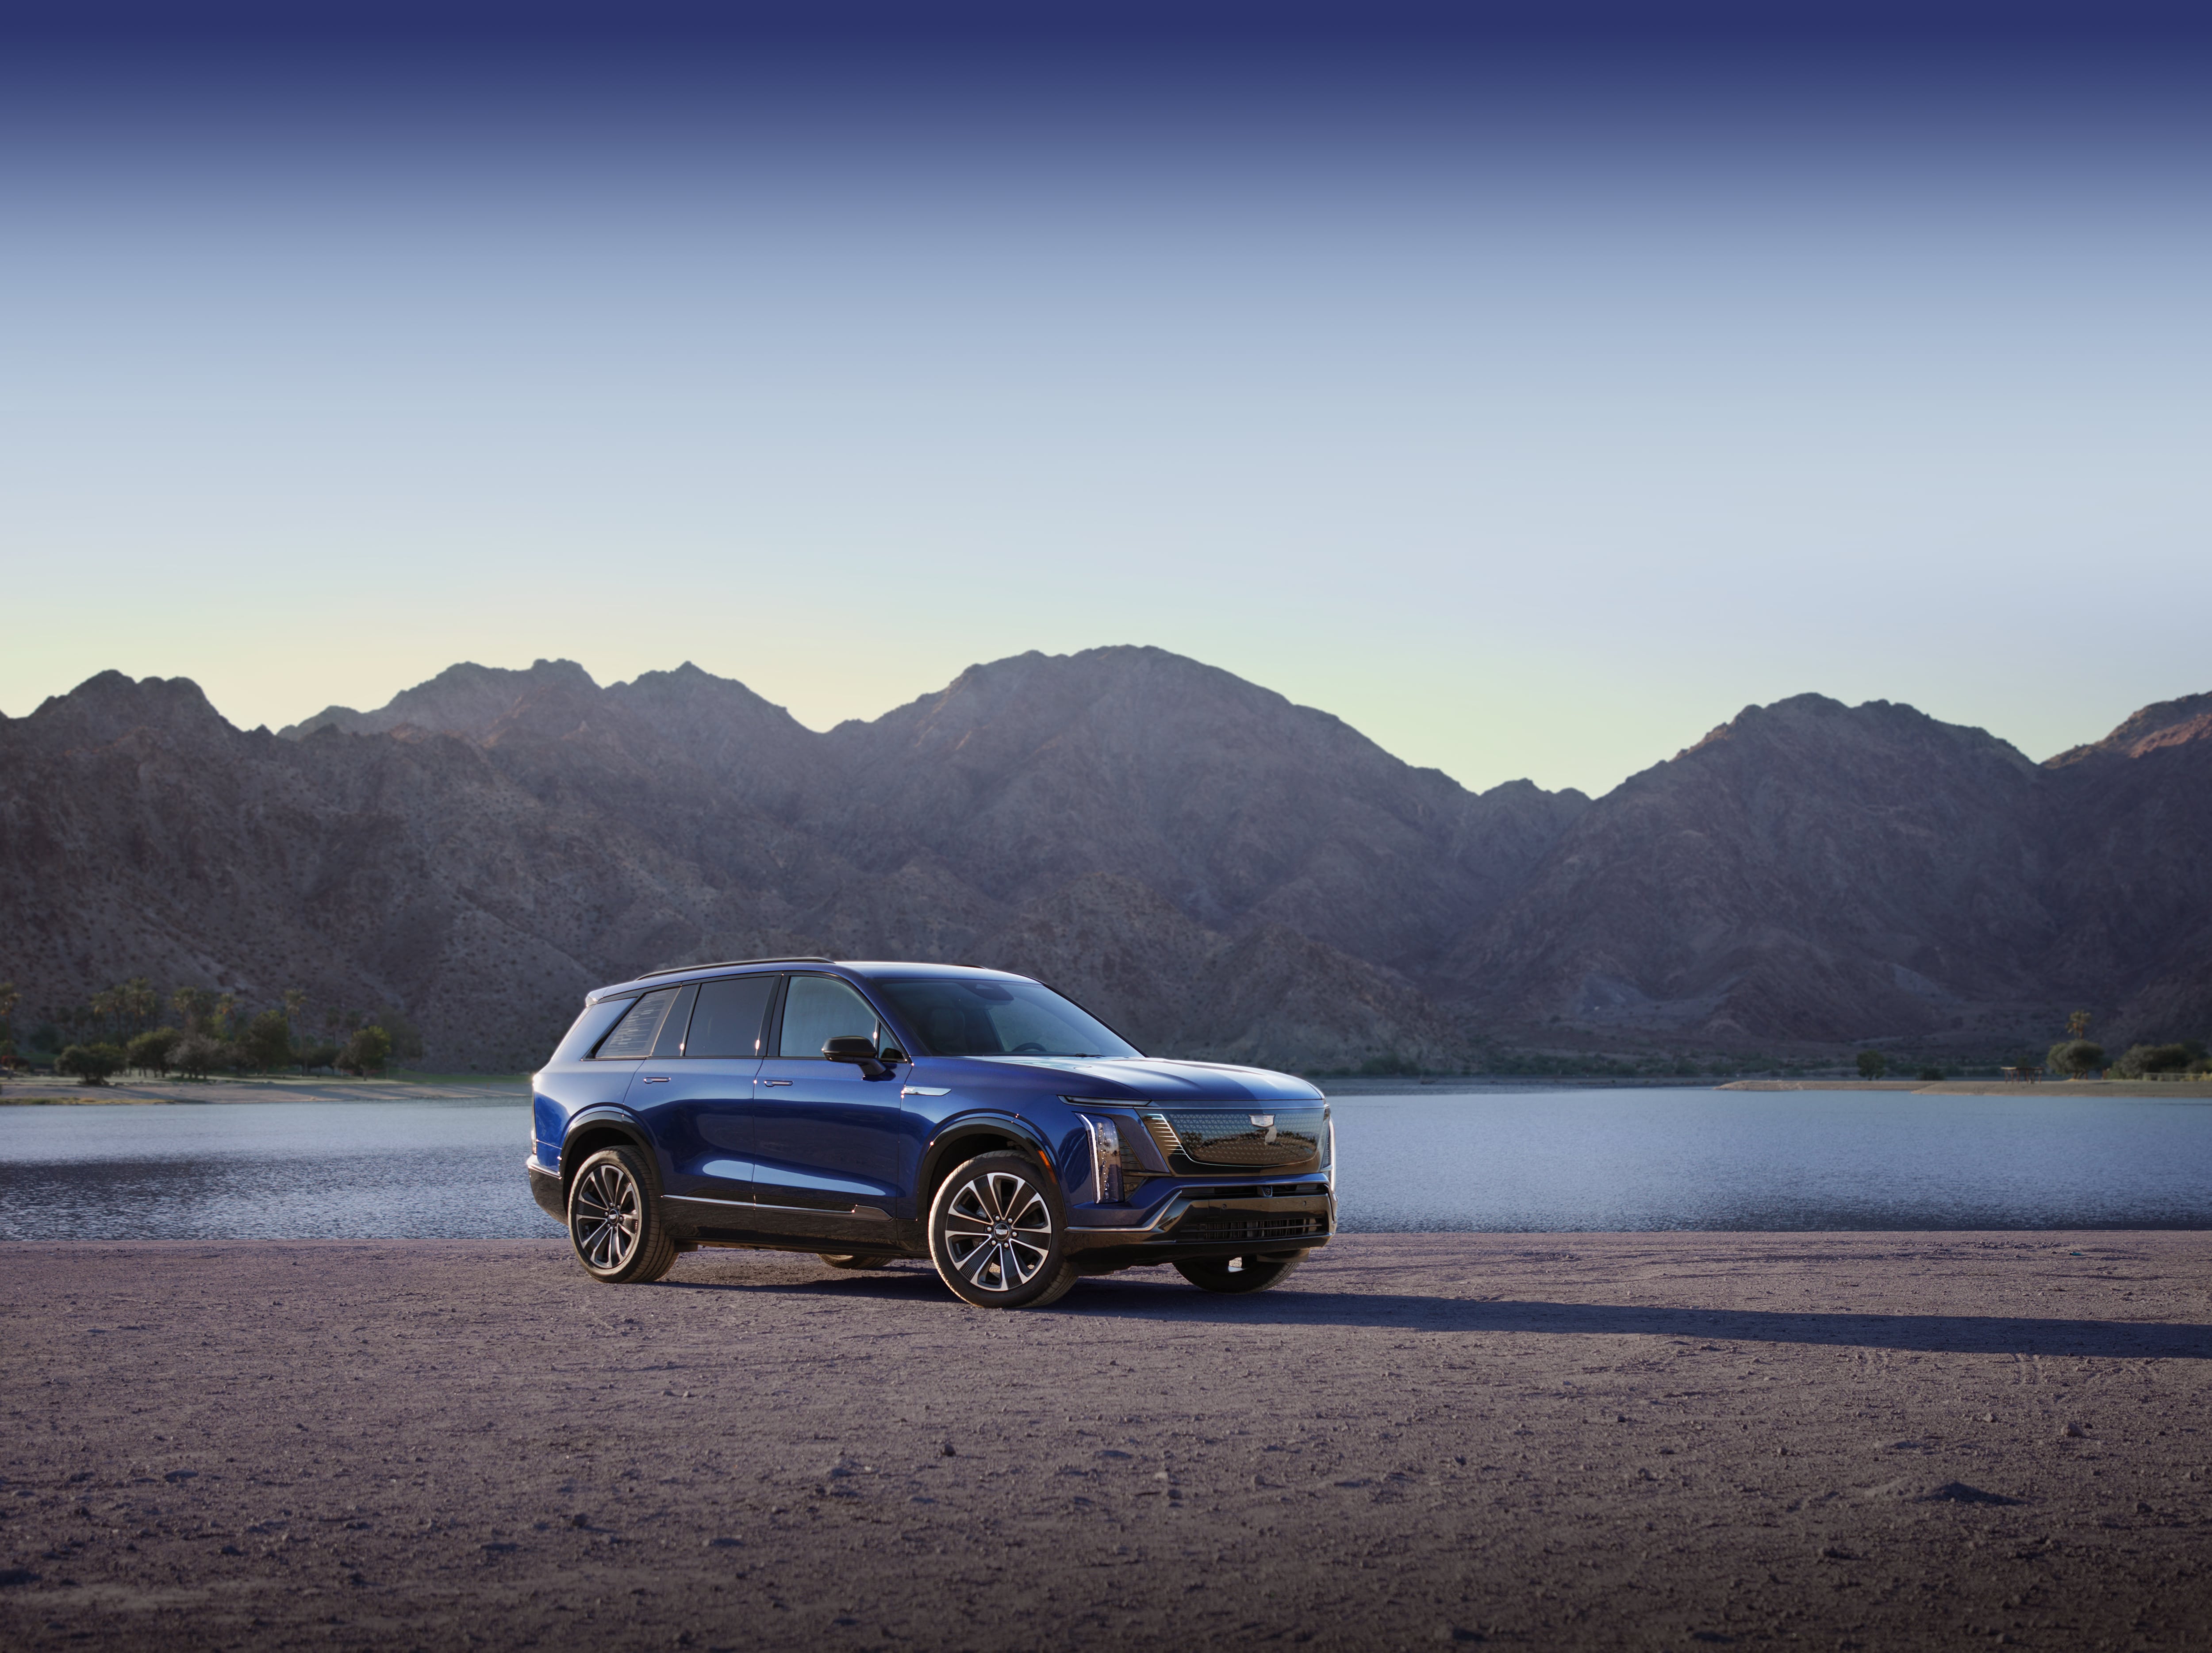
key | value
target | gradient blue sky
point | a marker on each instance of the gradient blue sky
(1533, 388)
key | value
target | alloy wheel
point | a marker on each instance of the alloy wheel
(997, 1230)
(605, 1216)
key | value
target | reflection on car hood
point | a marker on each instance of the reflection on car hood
(1160, 1079)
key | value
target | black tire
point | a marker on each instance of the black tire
(836, 1260)
(614, 1220)
(1238, 1274)
(998, 1233)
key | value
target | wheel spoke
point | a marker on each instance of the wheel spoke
(976, 1264)
(959, 1222)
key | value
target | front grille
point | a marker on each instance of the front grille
(1217, 1137)
(1248, 1226)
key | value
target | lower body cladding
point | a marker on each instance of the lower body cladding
(1237, 1221)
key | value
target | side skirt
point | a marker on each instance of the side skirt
(862, 1232)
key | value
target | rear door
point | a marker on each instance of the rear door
(695, 1091)
(827, 1137)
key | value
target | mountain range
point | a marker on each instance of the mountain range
(1215, 870)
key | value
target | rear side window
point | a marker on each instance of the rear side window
(819, 1008)
(634, 1035)
(727, 1022)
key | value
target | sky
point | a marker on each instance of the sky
(1533, 387)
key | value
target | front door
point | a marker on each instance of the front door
(826, 1136)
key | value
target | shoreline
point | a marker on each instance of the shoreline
(1898, 1441)
(185, 1093)
(2180, 1089)
(462, 1088)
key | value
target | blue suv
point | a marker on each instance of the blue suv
(870, 1112)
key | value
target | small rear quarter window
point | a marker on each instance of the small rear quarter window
(634, 1035)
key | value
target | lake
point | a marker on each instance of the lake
(1503, 1161)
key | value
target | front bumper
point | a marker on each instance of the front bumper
(1226, 1222)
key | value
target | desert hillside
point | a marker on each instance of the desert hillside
(1216, 870)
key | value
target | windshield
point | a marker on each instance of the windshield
(957, 1017)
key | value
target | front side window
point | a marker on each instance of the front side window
(959, 1018)
(819, 1008)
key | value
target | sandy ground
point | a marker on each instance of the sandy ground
(1872, 1441)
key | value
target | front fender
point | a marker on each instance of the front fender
(944, 1150)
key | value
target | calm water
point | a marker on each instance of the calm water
(1542, 1161)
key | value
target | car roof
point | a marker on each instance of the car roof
(865, 969)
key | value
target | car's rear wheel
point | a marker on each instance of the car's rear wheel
(614, 1222)
(838, 1260)
(998, 1233)
(1239, 1273)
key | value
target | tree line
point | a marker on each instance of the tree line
(199, 1032)
(2079, 1057)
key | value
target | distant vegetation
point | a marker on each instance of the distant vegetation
(1498, 1062)
(197, 1032)
(2142, 1061)
(2076, 1058)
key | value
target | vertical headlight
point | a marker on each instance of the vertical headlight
(1105, 1161)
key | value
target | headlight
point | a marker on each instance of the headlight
(1105, 1160)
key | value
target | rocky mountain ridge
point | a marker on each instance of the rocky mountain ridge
(1216, 870)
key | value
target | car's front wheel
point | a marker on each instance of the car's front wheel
(614, 1222)
(998, 1233)
(1239, 1273)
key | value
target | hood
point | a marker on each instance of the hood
(1150, 1079)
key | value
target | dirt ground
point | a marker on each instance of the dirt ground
(1572, 1441)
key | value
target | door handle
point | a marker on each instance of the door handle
(776, 1081)
(657, 1079)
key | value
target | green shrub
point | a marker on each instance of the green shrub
(267, 1042)
(196, 1055)
(1933, 1073)
(92, 1063)
(2075, 1057)
(149, 1052)
(2158, 1059)
(1873, 1064)
(316, 1055)
(371, 1047)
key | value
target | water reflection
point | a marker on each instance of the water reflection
(268, 1170)
(1544, 1161)
(1673, 1159)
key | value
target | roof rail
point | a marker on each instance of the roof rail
(726, 964)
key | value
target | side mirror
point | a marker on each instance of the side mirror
(855, 1048)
